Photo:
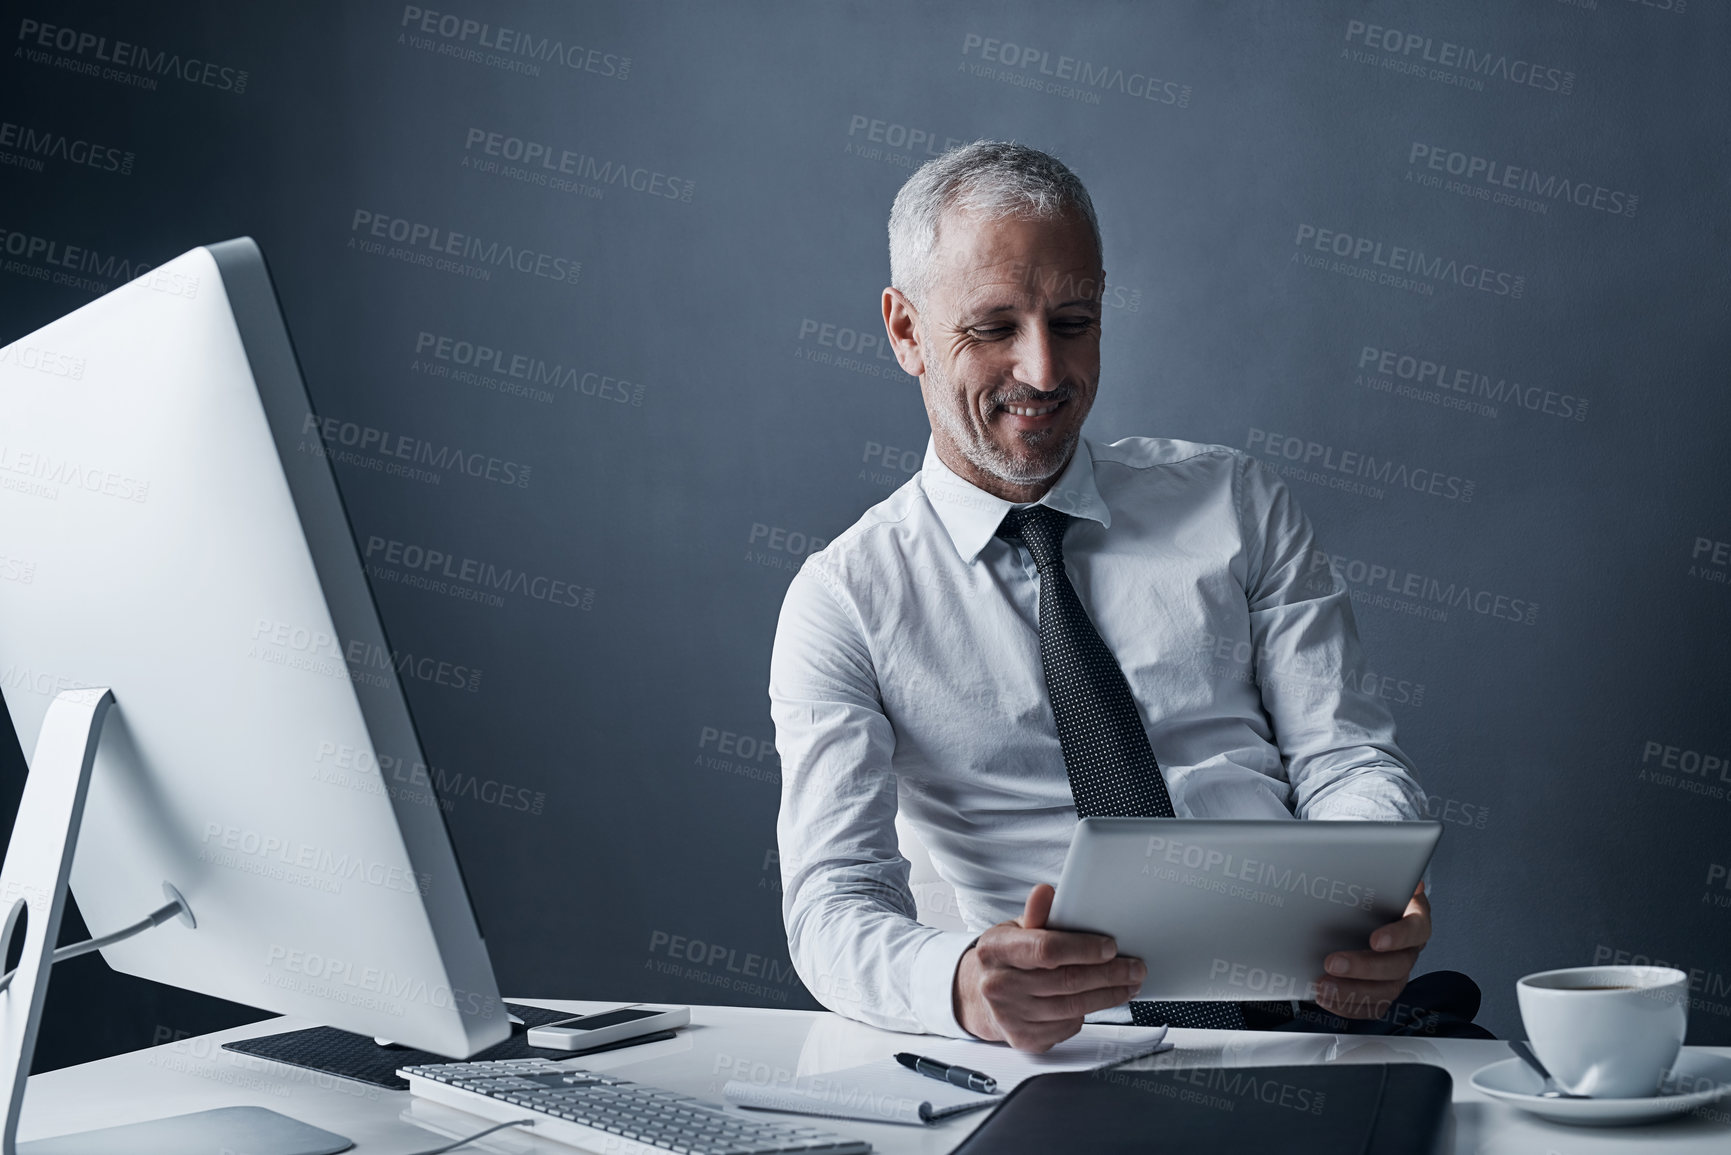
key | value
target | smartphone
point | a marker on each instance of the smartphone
(586, 1031)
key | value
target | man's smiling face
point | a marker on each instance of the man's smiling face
(1007, 347)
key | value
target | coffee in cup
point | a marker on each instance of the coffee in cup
(1607, 1032)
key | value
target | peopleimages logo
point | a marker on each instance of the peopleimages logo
(1506, 183)
(1257, 872)
(360, 768)
(1260, 665)
(428, 242)
(41, 474)
(1710, 560)
(527, 371)
(295, 855)
(43, 360)
(735, 753)
(1354, 464)
(1399, 266)
(786, 549)
(1460, 61)
(719, 957)
(1425, 379)
(1394, 588)
(78, 258)
(567, 170)
(437, 568)
(345, 973)
(337, 434)
(37, 39)
(474, 40)
(1070, 76)
(34, 145)
(921, 141)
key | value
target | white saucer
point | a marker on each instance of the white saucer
(1697, 1079)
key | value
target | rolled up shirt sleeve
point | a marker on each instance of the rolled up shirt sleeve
(1335, 734)
(852, 929)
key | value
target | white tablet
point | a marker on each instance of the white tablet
(1238, 910)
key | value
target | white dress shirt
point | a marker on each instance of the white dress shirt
(906, 673)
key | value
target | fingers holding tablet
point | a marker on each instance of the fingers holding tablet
(1363, 984)
(1029, 986)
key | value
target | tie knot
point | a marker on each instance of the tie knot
(1040, 528)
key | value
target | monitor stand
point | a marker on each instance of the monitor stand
(33, 886)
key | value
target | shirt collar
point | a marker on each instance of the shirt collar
(972, 516)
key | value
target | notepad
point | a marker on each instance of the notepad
(884, 1091)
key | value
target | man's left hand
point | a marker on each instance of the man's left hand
(1363, 984)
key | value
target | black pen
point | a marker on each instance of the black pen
(960, 1076)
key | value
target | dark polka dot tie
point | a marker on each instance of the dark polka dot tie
(1112, 769)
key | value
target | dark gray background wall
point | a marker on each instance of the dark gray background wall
(1459, 270)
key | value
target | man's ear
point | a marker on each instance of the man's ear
(901, 323)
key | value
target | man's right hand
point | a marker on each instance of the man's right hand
(1028, 986)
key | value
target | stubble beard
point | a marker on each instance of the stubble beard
(1047, 459)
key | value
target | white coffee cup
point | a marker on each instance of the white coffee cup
(1609, 1032)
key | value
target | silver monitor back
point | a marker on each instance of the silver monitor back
(170, 530)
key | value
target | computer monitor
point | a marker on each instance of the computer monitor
(172, 530)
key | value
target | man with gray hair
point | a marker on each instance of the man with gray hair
(1027, 631)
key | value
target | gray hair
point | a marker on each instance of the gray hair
(995, 178)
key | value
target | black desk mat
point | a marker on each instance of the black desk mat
(351, 1056)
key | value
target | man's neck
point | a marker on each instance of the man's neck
(1011, 491)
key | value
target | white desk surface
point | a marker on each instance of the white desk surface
(738, 1042)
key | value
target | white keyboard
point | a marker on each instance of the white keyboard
(601, 1113)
